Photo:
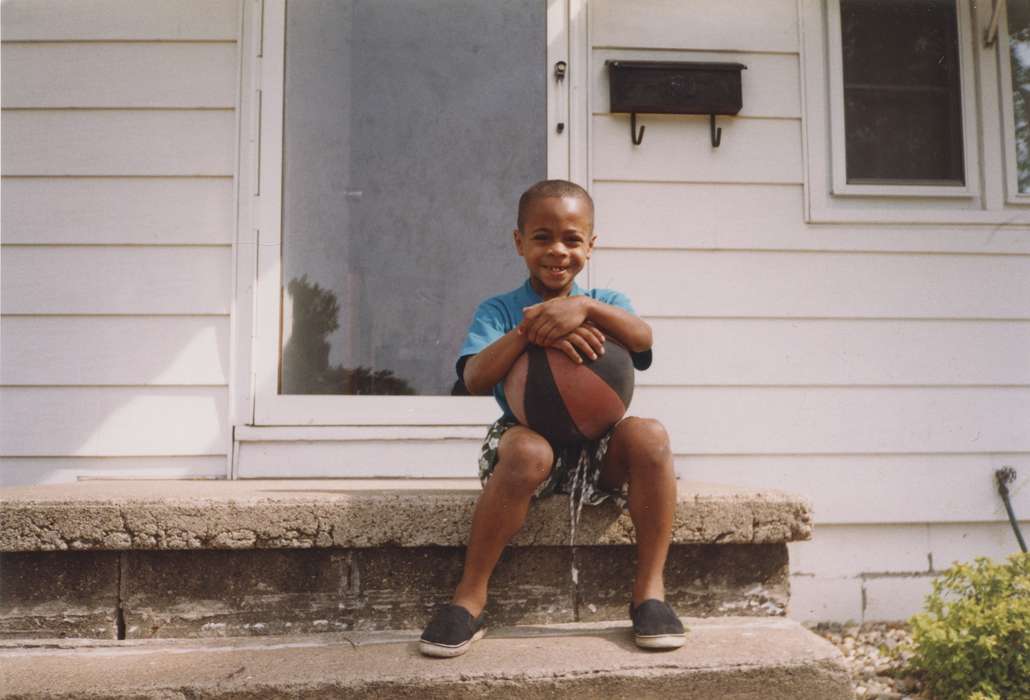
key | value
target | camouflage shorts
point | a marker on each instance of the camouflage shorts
(585, 458)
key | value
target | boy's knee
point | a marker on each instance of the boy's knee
(525, 460)
(647, 440)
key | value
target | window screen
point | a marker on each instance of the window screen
(411, 129)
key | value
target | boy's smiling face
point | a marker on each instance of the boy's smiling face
(556, 240)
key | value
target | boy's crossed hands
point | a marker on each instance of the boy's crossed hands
(563, 324)
(578, 326)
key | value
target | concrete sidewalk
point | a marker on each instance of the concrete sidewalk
(724, 658)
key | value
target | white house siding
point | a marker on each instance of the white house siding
(883, 371)
(119, 140)
(880, 370)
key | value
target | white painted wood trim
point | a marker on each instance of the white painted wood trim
(559, 96)
(969, 124)
(1001, 51)
(271, 408)
(269, 209)
(349, 433)
(805, 33)
(578, 40)
(244, 251)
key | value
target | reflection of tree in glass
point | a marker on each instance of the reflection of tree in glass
(1019, 43)
(306, 368)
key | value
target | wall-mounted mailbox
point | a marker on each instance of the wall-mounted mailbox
(674, 87)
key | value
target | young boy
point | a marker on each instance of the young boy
(555, 237)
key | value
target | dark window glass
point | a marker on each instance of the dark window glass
(902, 96)
(1019, 55)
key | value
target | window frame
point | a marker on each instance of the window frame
(1008, 119)
(265, 113)
(824, 204)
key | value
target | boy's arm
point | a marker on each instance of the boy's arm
(546, 322)
(489, 366)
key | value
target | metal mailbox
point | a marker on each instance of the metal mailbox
(674, 87)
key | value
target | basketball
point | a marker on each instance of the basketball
(566, 402)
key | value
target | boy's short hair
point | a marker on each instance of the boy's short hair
(552, 188)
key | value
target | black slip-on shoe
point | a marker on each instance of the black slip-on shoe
(655, 625)
(451, 632)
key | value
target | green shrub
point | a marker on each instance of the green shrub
(973, 641)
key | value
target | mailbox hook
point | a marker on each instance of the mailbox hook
(716, 132)
(634, 135)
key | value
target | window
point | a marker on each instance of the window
(901, 92)
(910, 115)
(395, 138)
(897, 98)
(1014, 62)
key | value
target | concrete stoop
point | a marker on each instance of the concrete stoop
(727, 658)
(164, 559)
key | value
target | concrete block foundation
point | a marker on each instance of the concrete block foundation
(162, 594)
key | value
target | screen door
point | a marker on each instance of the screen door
(410, 129)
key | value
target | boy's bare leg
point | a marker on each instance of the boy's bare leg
(639, 452)
(524, 462)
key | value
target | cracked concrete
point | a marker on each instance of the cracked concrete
(728, 658)
(351, 513)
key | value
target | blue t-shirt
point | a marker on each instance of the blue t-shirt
(501, 314)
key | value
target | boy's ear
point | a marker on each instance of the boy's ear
(517, 237)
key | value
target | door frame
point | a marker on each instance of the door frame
(257, 301)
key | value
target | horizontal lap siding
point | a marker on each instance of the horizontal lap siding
(702, 351)
(80, 75)
(113, 421)
(881, 371)
(120, 20)
(114, 350)
(756, 25)
(111, 210)
(119, 142)
(738, 215)
(826, 285)
(116, 280)
(829, 420)
(118, 162)
(874, 488)
(678, 149)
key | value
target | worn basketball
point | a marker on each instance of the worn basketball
(568, 402)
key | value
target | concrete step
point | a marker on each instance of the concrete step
(725, 658)
(352, 513)
(150, 559)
